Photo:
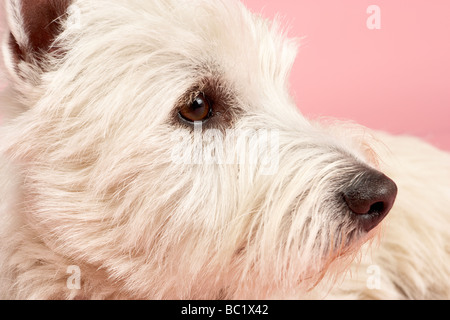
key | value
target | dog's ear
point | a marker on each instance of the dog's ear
(33, 27)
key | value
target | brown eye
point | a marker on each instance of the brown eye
(198, 110)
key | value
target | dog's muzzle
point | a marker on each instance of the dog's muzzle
(370, 197)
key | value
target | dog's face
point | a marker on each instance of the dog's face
(159, 143)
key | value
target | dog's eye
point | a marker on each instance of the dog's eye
(198, 110)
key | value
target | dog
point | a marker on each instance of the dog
(152, 150)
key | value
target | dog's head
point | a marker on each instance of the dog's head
(159, 143)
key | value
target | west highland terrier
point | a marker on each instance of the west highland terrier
(151, 150)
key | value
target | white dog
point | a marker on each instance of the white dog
(151, 150)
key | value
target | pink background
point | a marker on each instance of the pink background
(395, 79)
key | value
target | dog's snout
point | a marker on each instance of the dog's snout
(370, 198)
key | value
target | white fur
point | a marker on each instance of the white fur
(88, 179)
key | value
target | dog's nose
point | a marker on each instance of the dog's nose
(370, 198)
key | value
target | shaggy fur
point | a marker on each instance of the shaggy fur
(89, 176)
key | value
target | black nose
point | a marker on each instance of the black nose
(370, 197)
